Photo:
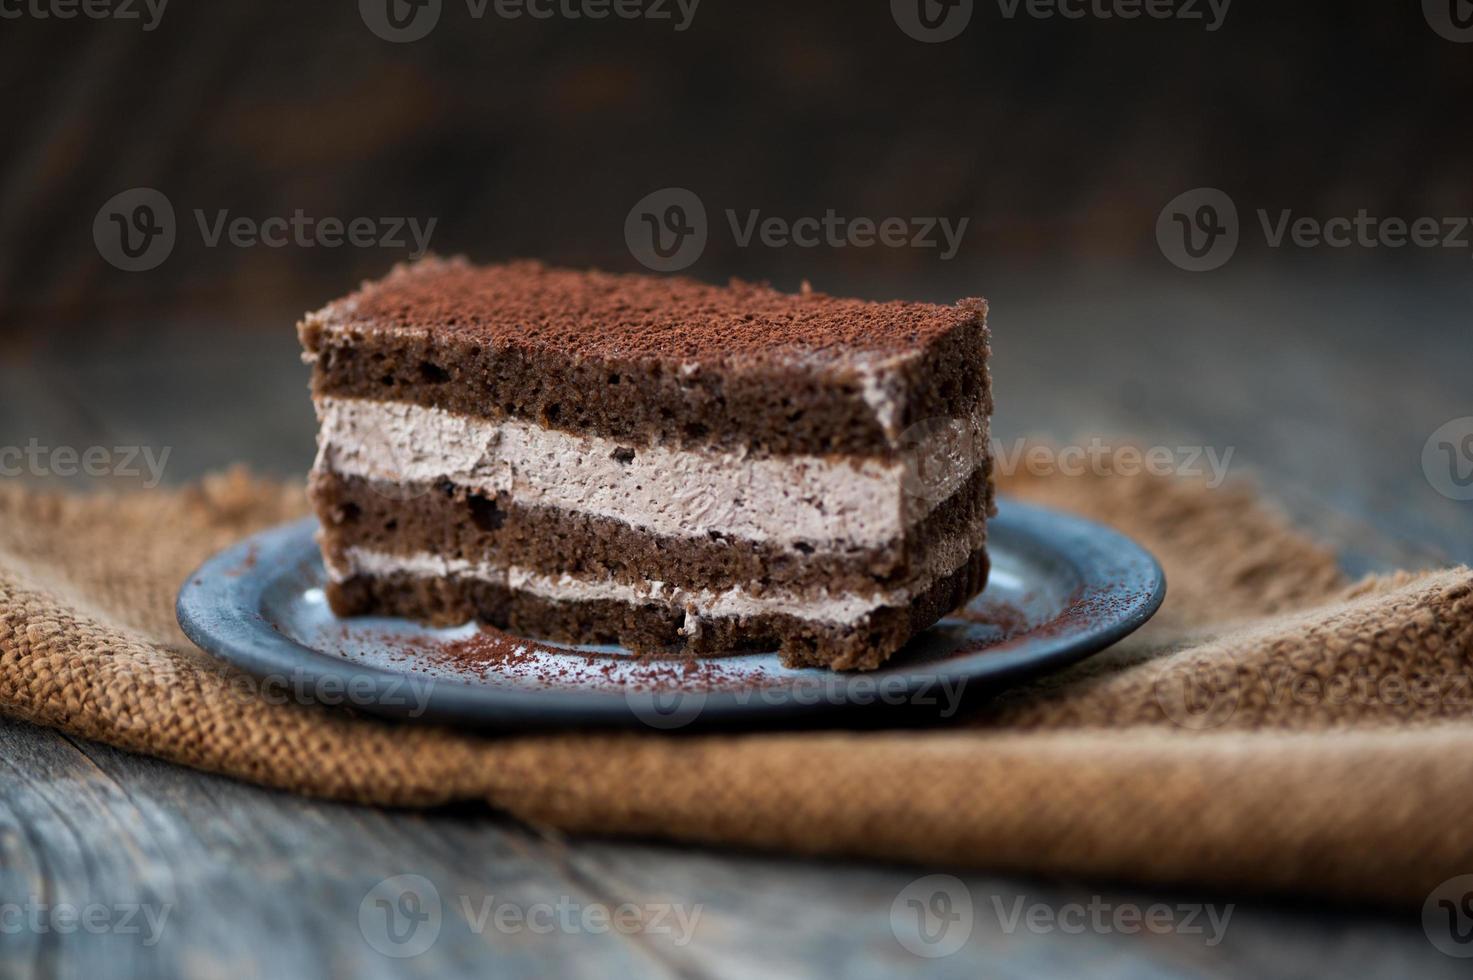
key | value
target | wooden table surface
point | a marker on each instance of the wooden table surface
(1325, 382)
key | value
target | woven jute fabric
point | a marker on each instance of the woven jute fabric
(1275, 727)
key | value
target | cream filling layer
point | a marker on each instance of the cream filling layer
(818, 605)
(828, 501)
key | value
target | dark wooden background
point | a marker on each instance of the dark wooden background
(1059, 139)
(1324, 370)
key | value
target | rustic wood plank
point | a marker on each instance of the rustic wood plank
(261, 883)
(1314, 387)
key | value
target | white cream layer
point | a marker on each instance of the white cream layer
(669, 492)
(818, 606)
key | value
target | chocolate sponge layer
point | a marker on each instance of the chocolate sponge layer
(656, 628)
(645, 358)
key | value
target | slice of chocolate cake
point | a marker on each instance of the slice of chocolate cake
(655, 462)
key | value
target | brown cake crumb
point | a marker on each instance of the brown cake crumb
(642, 359)
(723, 389)
(605, 315)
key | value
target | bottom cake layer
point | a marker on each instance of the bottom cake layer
(656, 628)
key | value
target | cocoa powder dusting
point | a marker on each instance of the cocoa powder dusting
(1008, 619)
(490, 653)
(1084, 609)
(671, 318)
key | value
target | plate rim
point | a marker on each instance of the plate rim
(218, 608)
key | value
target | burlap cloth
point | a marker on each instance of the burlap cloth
(1324, 742)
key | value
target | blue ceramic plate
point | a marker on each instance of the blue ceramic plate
(1061, 588)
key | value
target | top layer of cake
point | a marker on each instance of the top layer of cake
(674, 319)
(653, 359)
